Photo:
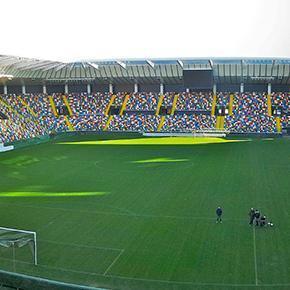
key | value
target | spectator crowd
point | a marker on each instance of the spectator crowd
(84, 104)
(188, 123)
(142, 102)
(250, 115)
(15, 127)
(194, 102)
(31, 115)
(139, 123)
(281, 100)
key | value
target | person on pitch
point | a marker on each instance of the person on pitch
(252, 216)
(219, 213)
(257, 217)
(263, 219)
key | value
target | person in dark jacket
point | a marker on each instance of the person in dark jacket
(263, 220)
(219, 213)
(252, 216)
(257, 217)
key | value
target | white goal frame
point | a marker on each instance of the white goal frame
(24, 232)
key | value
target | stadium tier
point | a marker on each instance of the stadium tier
(144, 173)
(30, 115)
(40, 97)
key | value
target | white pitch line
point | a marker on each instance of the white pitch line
(123, 214)
(80, 245)
(51, 222)
(53, 268)
(46, 280)
(115, 260)
(152, 280)
(255, 256)
(196, 283)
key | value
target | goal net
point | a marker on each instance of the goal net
(190, 133)
(14, 238)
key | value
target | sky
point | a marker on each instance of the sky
(71, 30)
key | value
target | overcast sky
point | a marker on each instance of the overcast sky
(69, 30)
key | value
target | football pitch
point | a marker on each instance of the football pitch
(139, 213)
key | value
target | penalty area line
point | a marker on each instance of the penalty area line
(114, 261)
(81, 245)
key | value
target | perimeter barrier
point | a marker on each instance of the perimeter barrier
(18, 281)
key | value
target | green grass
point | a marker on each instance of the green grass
(143, 217)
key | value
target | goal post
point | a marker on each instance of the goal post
(15, 238)
(189, 133)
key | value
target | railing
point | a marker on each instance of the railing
(20, 281)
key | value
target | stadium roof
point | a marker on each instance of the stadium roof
(228, 70)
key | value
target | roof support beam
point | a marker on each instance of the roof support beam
(121, 64)
(25, 63)
(60, 66)
(11, 61)
(210, 63)
(52, 66)
(93, 65)
(151, 63)
(35, 66)
(71, 66)
(180, 62)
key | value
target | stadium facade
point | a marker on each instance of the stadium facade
(24, 75)
(64, 189)
(173, 96)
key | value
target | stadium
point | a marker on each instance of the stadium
(127, 169)
(143, 173)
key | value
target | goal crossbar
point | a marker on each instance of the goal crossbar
(24, 232)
